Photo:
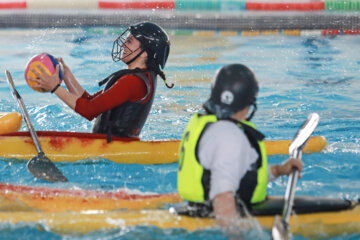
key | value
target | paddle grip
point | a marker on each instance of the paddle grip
(290, 194)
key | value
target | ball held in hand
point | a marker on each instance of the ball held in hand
(48, 63)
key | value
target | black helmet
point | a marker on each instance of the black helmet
(153, 38)
(234, 88)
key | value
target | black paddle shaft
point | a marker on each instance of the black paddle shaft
(39, 166)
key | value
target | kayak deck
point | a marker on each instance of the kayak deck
(273, 205)
(69, 146)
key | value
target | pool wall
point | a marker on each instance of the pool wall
(231, 17)
(251, 5)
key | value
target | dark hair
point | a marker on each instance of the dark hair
(153, 65)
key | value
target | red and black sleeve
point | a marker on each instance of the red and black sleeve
(128, 88)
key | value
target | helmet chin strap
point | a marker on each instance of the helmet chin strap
(134, 58)
(252, 112)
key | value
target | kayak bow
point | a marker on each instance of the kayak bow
(10, 122)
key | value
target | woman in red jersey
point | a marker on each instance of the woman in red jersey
(121, 109)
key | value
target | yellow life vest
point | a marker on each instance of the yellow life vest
(194, 180)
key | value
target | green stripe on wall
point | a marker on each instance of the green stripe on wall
(182, 32)
(206, 5)
(347, 5)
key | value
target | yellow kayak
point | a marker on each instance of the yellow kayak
(70, 211)
(20, 198)
(309, 225)
(73, 146)
(10, 122)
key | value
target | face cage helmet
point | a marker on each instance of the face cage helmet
(234, 88)
(153, 39)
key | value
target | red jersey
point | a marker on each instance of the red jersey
(129, 88)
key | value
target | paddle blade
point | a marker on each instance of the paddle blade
(302, 136)
(280, 230)
(41, 167)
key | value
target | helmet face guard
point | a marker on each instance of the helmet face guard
(154, 40)
(120, 45)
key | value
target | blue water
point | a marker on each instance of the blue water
(297, 76)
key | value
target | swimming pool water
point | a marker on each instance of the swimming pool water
(297, 76)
